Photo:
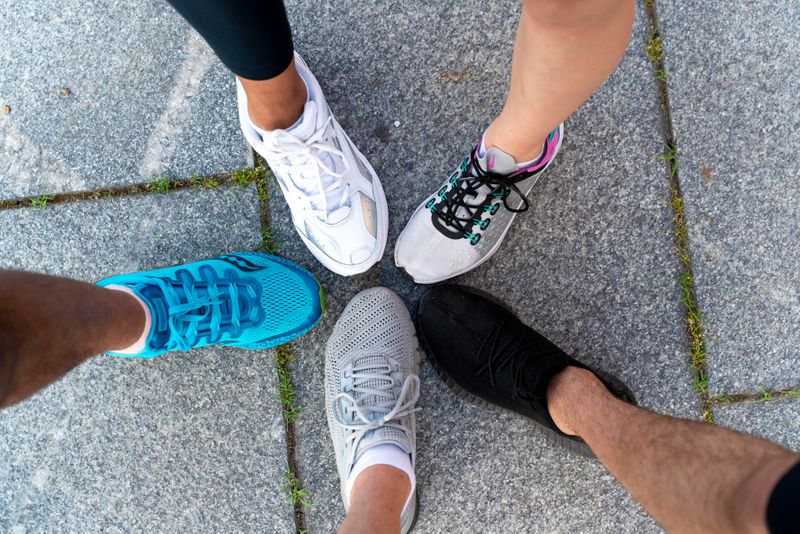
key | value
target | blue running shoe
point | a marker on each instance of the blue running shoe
(244, 299)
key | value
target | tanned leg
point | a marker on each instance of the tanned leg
(564, 50)
(691, 476)
(376, 501)
(48, 325)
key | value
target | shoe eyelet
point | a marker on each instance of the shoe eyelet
(473, 238)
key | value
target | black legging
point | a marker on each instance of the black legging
(253, 39)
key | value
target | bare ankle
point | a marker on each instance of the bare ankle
(376, 500)
(566, 391)
(515, 145)
(271, 115)
(276, 103)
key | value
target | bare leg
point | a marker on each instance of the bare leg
(278, 102)
(48, 325)
(691, 476)
(376, 502)
(564, 50)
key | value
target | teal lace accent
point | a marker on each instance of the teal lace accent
(481, 223)
(473, 238)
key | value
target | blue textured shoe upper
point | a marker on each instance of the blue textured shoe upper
(245, 299)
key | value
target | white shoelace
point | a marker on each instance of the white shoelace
(388, 410)
(311, 153)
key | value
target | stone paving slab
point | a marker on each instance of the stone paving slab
(733, 88)
(183, 442)
(145, 91)
(592, 265)
(777, 421)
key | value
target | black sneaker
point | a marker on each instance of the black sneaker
(485, 354)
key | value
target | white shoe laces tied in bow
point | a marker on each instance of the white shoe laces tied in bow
(311, 153)
(384, 414)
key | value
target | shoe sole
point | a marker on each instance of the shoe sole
(416, 515)
(495, 247)
(579, 448)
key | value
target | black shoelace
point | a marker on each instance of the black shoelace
(464, 187)
(517, 354)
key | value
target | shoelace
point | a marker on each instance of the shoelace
(384, 414)
(286, 146)
(499, 356)
(187, 312)
(467, 183)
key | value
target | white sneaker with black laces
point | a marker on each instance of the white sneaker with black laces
(337, 203)
(463, 224)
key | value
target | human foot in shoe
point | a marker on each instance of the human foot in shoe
(484, 353)
(243, 299)
(371, 390)
(337, 203)
(463, 224)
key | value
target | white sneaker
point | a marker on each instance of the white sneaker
(336, 200)
(463, 224)
(372, 385)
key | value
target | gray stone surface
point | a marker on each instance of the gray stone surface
(147, 98)
(591, 265)
(184, 442)
(778, 421)
(733, 86)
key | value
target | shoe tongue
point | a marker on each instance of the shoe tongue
(308, 122)
(497, 161)
(307, 126)
(375, 364)
(537, 375)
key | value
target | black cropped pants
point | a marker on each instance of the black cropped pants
(253, 39)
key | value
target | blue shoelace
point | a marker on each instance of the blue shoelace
(196, 307)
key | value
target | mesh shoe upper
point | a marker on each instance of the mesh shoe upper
(371, 382)
(492, 355)
(243, 299)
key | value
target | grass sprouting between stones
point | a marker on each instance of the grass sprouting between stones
(286, 391)
(41, 201)
(762, 395)
(655, 47)
(268, 244)
(204, 182)
(249, 175)
(159, 185)
(297, 495)
(694, 317)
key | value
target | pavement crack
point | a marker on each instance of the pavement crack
(693, 316)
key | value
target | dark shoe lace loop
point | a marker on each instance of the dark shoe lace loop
(515, 352)
(455, 205)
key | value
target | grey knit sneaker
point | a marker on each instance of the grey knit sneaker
(372, 383)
